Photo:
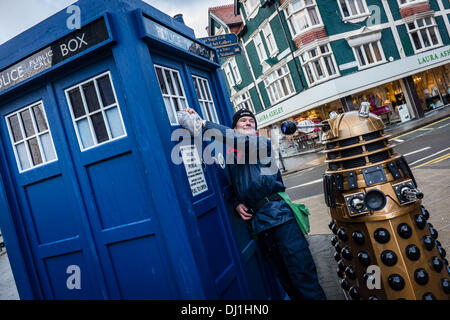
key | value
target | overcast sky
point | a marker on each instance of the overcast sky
(18, 15)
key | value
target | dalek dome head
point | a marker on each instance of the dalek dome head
(352, 124)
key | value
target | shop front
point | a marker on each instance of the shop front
(433, 87)
(387, 101)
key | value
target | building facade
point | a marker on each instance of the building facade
(310, 59)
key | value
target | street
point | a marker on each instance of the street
(426, 147)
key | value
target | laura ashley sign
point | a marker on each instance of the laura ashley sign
(60, 50)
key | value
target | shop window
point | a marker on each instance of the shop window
(95, 112)
(243, 101)
(172, 91)
(279, 84)
(205, 99)
(319, 64)
(424, 34)
(31, 137)
(270, 40)
(433, 87)
(353, 8)
(260, 50)
(302, 15)
(369, 54)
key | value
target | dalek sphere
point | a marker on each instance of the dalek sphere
(377, 217)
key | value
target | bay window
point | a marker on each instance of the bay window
(243, 101)
(279, 84)
(319, 64)
(302, 15)
(353, 8)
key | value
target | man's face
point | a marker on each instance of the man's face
(246, 125)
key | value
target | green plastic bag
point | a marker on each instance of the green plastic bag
(300, 211)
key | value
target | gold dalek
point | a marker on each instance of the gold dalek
(385, 248)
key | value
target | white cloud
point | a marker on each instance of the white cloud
(19, 15)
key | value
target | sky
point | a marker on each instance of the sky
(17, 16)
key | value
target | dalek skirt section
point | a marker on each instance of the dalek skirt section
(385, 248)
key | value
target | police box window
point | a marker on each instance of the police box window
(95, 112)
(172, 91)
(205, 99)
(30, 137)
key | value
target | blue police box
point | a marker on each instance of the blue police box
(92, 207)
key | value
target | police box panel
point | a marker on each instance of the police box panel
(119, 206)
(202, 209)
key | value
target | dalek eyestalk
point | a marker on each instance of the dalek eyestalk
(377, 214)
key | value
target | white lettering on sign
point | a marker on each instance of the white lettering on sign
(73, 45)
(193, 168)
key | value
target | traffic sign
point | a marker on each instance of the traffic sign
(221, 40)
(229, 51)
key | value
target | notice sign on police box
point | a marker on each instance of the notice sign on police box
(194, 170)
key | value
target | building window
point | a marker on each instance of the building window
(279, 84)
(243, 101)
(205, 99)
(95, 112)
(403, 3)
(424, 34)
(172, 91)
(319, 64)
(260, 50)
(250, 8)
(229, 75)
(235, 70)
(30, 137)
(369, 54)
(302, 15)
(270, 40)
(353, 8)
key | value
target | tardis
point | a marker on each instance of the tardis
(92, 205)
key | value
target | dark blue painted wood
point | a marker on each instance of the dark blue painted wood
(122, 211)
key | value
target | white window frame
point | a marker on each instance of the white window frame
(25, 139)
(351, 16)
(205, 99)
(244, 101)
(290, 13)
(259, 46)
(273, 84)
(229, 75)
(425, 27)
(372, 52)
(251, 9)
(179, 97)
(308, 62)
(410, 2)
(235, 71)
(102, 109)
(270, 40)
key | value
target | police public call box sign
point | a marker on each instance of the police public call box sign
(58, 51)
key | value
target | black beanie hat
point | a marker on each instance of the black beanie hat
(242, 113)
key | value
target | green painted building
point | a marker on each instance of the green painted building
(310, 59)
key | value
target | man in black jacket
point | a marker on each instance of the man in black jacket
(257, 202)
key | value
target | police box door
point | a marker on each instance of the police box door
(207, 213)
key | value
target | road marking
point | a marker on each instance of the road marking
(443, 126)
(306, 184)
(433, 161)
(427, 157)
(428, 125)
(398, 140)
(420, 150)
